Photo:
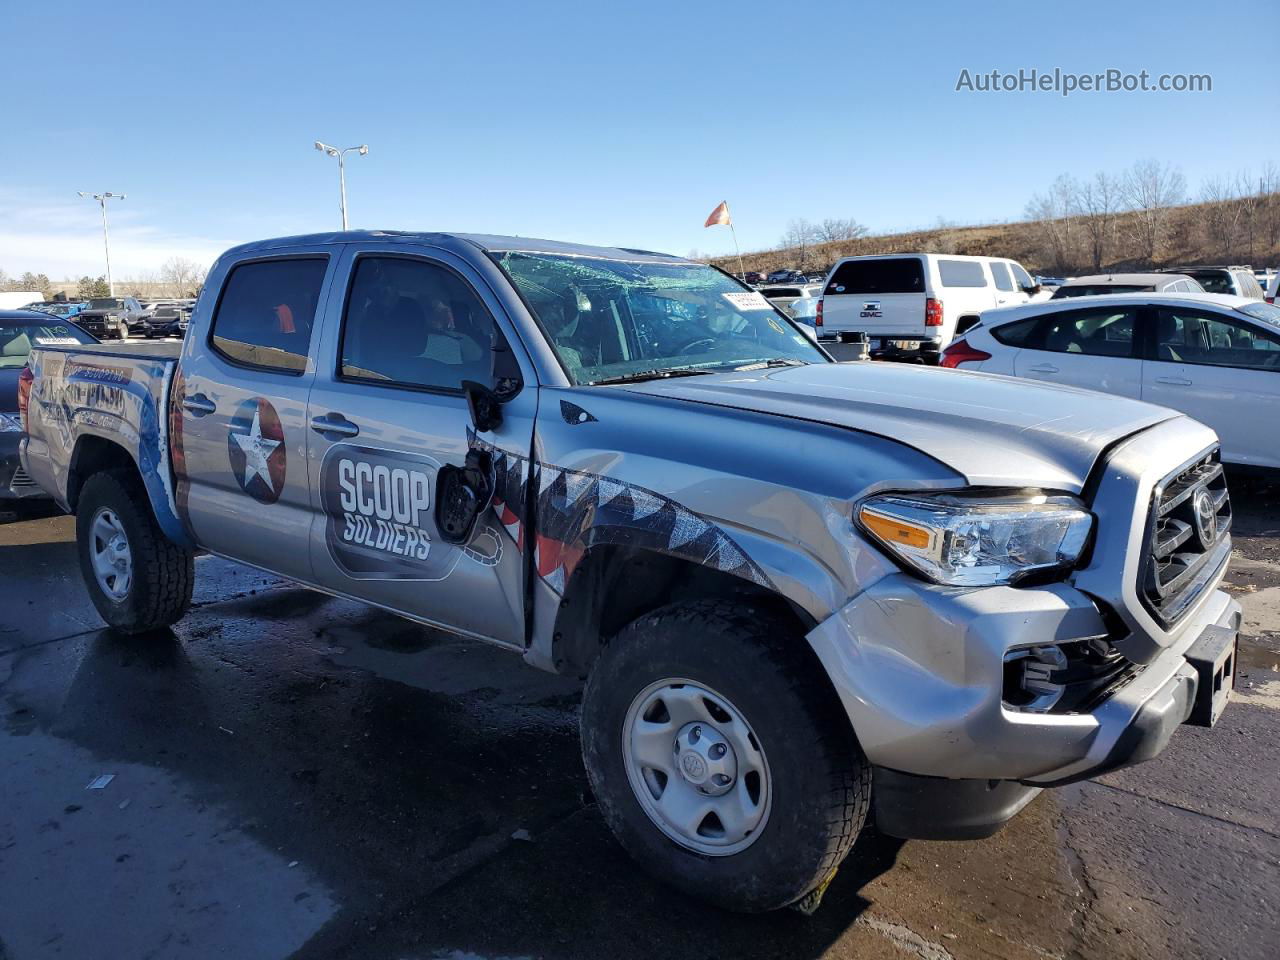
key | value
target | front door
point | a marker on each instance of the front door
(240, 425)
(1222, 371)
(387, 414)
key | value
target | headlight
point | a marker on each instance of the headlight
(978, 541)
(10, 424)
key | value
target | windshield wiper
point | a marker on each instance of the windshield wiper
(643, 375)
(772, 362)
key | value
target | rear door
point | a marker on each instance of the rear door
(387, 414)
(1224, 372)
(239, 428)
(883, 296)
(1006, 289)
(1092, 348)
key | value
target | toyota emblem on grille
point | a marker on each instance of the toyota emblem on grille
(1206, 517)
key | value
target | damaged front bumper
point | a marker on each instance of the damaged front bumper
(923, 673)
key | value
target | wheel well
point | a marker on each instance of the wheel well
(614, 585)
(96, 455)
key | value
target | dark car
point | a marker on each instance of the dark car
(20, 330)
(167, 320)
(111, 316)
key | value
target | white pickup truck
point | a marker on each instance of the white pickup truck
(911, 305)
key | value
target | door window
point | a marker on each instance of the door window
(266, 313)
(1021, 276)
(1103, 332)
(961, 273)
(1000, 273)
(416, 324)
(1200, 337)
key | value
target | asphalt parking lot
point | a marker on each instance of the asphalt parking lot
(297, 776)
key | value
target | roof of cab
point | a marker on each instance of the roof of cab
(486, 242)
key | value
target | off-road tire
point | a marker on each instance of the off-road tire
(820, 780)
(163, 572)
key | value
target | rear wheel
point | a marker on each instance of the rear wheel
(720, 756)
(137, 578)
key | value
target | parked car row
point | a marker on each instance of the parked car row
(115, 318)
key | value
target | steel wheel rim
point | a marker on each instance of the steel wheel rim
(671, 743)
(110, 554)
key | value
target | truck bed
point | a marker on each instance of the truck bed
(83, 395)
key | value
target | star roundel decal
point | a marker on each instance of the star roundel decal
(256, 447)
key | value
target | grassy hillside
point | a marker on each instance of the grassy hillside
(1193, 234)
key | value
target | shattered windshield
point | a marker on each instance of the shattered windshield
(616, 320)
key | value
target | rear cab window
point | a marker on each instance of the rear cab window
(961, 273)
(266, 313)
(884, 275)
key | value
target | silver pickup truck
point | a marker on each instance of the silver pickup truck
(798, 590)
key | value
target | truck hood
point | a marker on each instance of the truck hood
(993, 430)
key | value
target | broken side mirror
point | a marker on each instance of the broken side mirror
(485, 402)
(462, 494)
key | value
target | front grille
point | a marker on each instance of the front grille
(1188, 537)
(20, 479)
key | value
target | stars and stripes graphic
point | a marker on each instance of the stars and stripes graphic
(576, 510)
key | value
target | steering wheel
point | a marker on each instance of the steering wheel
(696, 341)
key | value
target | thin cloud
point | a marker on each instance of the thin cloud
(64, 239)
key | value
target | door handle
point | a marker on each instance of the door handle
(199, 405)
(334, 423)
(1174, 381)
(1043, 368)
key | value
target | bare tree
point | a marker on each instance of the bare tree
(1269, 187)
(1222, 214)
(836, 229)
(1149, 188)
(1097, 202)
(1051, 213)
(1252, 202)
(799, 236)
(181, 276)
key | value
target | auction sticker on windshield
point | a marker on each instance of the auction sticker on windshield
(748, 300)
(57, 341)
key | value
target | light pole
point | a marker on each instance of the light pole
(102, 199)
(363, 150)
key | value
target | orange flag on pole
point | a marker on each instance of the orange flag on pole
(720, 216)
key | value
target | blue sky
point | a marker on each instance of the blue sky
(599, 122)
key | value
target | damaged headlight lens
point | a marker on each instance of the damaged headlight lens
(970, 541)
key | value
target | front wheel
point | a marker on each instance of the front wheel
(137, 578)
(720, 756)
